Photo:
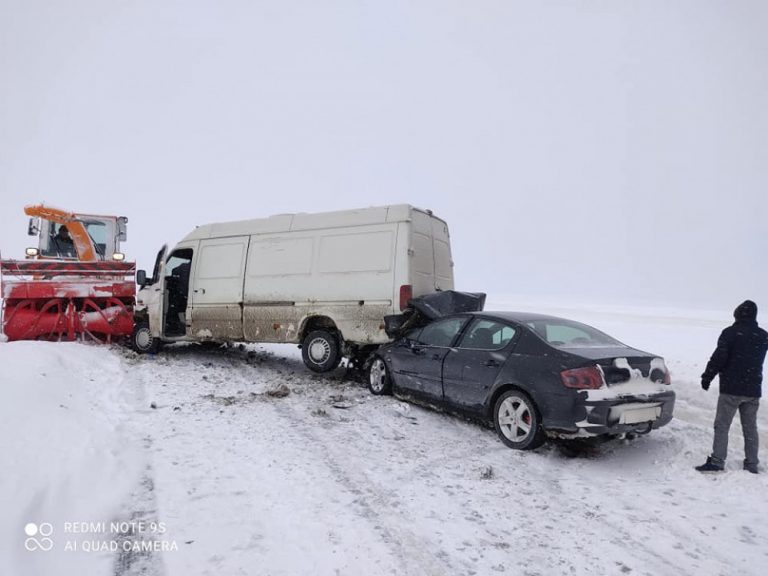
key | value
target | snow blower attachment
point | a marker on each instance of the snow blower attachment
(68, 288)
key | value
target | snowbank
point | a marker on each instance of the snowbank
(66, 453)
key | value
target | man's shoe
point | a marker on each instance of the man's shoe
(750, 468)
(710, 466)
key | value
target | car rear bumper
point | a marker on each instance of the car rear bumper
(620, 415)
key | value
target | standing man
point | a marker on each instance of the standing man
(738, 359)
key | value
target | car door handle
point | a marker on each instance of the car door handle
(436, 356)
(418, 351)
(492, 363)
(200, 291)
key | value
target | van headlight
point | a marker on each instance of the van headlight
(118, 256)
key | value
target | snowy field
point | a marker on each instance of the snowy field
(238, 461)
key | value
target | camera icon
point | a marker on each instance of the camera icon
(38, 537)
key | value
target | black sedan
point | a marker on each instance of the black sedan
(532, 375)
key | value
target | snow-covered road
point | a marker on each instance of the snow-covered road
(244, 463)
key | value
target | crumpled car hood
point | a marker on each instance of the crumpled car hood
(424, 309)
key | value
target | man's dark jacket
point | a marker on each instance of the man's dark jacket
(739, 355)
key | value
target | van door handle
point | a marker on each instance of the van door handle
(492, 362)
(200, 291)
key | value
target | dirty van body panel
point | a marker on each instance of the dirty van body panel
(335, 267)
(286, 322)
(216, 301)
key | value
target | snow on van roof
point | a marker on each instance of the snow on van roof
(306, 221)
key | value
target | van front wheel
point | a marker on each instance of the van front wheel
(321, 351)
(142, 340)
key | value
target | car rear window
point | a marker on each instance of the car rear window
(570, 334)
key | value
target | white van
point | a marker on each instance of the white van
(324, 281)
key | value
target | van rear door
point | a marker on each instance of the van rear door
(441, 243)
(431, 265)
(216, 309)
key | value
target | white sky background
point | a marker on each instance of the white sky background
(610, 150)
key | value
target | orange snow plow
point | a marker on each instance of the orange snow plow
(74, 285)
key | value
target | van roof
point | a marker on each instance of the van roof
(305, 221)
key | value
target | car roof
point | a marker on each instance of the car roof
(520, 317)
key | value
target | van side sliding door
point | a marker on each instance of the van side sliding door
(217, 289)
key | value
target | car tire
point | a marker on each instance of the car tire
(517, 421)
(142, 340)
(379, 381)
(321, 351)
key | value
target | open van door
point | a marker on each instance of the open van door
(216, 299)
(153, 299)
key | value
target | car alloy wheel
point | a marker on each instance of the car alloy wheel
(517, 421)
(378, 377)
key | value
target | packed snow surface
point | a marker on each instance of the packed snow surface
(238, 461)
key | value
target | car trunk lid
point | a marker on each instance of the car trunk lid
(621, 364)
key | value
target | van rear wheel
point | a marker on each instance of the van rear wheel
(321, 351)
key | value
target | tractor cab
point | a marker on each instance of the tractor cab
(81, 237)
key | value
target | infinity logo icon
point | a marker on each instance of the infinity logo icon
(38, 537)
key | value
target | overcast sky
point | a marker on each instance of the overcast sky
(603, 149)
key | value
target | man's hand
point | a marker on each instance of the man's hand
(705, 382)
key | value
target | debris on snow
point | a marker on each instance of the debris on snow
(280, 391)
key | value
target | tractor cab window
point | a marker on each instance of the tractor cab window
(59, 244)
(99, 233)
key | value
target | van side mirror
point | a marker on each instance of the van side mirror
(141, 278)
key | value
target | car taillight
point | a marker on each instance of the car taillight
(406, 293)
(582, 378)
(661, 375)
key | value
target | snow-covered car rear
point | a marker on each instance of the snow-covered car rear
(531, 375)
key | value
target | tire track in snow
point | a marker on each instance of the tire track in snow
(142, 504)
(374, 506)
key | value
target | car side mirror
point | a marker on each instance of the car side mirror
(141, 278)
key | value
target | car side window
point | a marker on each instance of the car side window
(414, 334)
(566, 335)
(487, 335)
(441, 333)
